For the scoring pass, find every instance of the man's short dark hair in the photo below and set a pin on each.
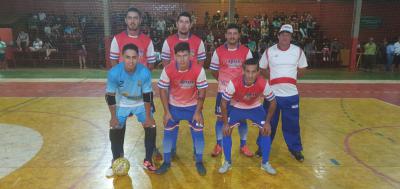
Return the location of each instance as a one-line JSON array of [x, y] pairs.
[[251, 61], [233, 26], [130, 46], [185, 14], [182, 46], [134, 9]]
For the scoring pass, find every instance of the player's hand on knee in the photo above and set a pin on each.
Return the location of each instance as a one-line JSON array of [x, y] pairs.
[[227, 130], [167, 117], [198, 118], [114, 123], [149, 122], [266, 130]]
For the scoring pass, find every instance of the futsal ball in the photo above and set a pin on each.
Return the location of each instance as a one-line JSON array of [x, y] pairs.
[[121, 166]]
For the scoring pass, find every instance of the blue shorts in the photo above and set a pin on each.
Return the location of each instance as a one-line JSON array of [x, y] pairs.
[[124, 112], [218, 105], [256, 115], [182, 113]]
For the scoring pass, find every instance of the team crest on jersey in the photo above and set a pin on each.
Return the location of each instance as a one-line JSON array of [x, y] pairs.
[[125, 94], [186, 84], [233, 63], [249, 96]]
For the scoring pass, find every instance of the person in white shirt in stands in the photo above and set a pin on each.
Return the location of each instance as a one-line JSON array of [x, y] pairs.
[[396, 58], [22, 41], [37, 45], [284, 61]]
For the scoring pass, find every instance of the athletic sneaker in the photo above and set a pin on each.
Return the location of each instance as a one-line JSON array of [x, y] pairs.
[[246, 151], [297, 155], [163, 169], [217, 150], [225, 167], [201, 169], [149, 166], [109, 173], [268, 168]]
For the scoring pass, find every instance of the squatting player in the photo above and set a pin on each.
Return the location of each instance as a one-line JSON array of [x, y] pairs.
[[129, 91], [245, 93], [187, 83]]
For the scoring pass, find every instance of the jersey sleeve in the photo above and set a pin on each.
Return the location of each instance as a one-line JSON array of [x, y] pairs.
[[201, 81], [146, 87], [151, 56], [214, 62], [165, 52], [268, 93], [201, 54], [302, 63], [264, 60], [249, 55], [112, 82], [229, 91], [163, 83], [114, 50]]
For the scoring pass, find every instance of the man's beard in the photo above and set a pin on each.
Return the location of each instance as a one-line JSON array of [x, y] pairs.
[[183, 33], [232, 43], [133, 28]]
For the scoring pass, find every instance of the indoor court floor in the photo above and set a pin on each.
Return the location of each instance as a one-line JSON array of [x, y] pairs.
[[55, 135]]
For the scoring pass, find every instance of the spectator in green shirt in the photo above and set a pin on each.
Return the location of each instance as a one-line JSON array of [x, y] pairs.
[[370, 51]]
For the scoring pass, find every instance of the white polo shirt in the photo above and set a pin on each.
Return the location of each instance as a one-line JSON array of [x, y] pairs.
[[282, 66]]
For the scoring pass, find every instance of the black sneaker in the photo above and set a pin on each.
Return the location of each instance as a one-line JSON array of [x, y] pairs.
[[258, 153], [201, 169], [163, 169], [297, 155]]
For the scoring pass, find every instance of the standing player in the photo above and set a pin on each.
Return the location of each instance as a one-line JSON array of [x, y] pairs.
[[129, 91], [133, 35], [197, 49], [186, 82], [146, 54], [244, 93], [284, 61], [226, 64]]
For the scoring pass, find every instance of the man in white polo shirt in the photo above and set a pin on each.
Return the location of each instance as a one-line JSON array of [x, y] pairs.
[[285, 62], [396, 59]]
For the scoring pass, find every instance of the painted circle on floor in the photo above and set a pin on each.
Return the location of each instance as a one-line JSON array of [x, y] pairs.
[[19, 145]]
